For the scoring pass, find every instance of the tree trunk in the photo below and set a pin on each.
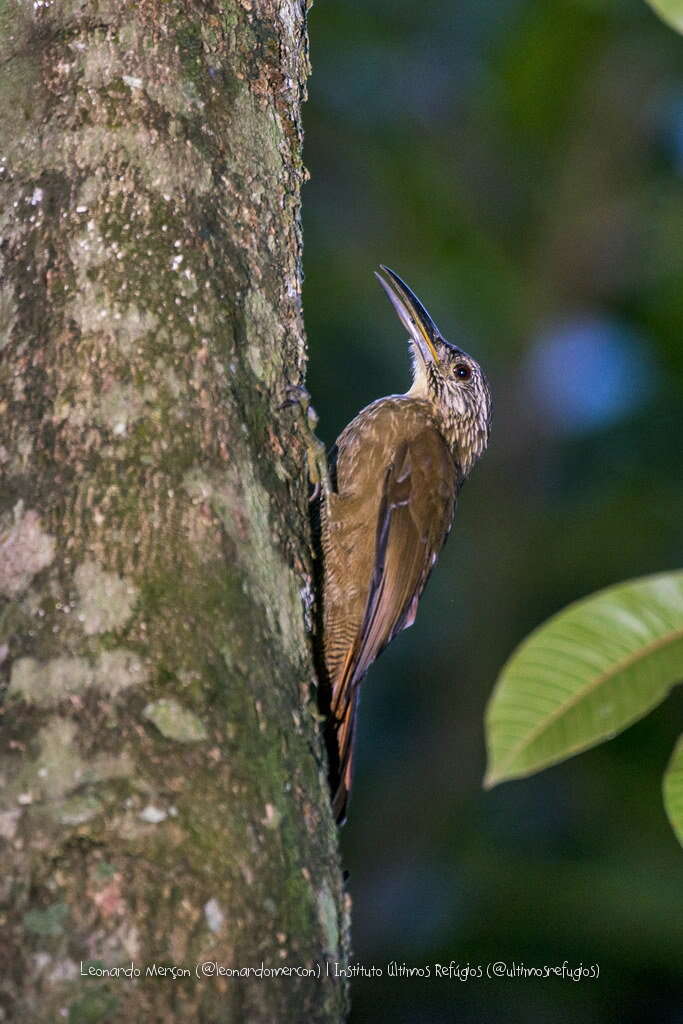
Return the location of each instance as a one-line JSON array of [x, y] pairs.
[[164, 800]]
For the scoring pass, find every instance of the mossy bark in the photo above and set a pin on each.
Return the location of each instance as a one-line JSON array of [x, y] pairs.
[[164, 799]]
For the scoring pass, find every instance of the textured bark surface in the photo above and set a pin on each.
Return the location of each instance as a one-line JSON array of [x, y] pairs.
[[163, 793]]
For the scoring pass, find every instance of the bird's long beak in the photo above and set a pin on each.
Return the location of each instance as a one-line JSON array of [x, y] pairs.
[[411, 312]]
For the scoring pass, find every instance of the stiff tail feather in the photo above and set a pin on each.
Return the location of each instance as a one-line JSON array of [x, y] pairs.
[[345, 729]]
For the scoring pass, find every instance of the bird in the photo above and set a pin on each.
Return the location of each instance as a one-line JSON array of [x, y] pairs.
[[395, 473]]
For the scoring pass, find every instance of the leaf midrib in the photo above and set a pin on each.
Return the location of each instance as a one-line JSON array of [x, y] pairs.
[[604, 677]]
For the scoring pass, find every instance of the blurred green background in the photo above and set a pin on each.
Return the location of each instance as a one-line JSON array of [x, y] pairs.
[[520, 164]]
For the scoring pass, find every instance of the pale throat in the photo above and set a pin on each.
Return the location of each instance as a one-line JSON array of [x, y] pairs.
[[420, 387], [464, 434]]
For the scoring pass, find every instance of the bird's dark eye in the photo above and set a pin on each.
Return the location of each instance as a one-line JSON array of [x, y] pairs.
[[463, 372]]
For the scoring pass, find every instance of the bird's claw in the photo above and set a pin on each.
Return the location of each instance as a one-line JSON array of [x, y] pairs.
[[316, 456]]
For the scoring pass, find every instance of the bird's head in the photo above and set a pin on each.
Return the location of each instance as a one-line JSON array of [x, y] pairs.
[[444, 375]]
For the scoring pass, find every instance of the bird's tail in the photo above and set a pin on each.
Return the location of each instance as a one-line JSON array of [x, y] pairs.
[[345, 736]]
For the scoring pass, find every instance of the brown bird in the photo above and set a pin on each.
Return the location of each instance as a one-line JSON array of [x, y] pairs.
[[396, 472]]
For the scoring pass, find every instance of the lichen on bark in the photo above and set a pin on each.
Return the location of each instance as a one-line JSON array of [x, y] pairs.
[[164, 796]]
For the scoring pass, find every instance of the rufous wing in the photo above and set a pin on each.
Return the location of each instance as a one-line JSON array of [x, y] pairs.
[[414, 517]]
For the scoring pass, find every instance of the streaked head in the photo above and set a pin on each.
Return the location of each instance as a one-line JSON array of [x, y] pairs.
[[446, 376]]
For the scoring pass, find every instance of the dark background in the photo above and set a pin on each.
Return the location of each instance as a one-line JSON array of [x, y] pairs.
[[520, 164]]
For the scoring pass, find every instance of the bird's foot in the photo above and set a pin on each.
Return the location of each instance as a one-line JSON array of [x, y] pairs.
[[316, 456]]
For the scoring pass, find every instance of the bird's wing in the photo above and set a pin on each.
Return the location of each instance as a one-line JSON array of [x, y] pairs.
[[414, 517]]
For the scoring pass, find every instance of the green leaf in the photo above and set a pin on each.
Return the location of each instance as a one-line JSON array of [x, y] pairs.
[[585, 675], [670, 11], [672, 788]]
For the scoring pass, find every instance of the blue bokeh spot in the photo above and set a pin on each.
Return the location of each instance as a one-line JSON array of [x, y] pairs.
[[590, 372]]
